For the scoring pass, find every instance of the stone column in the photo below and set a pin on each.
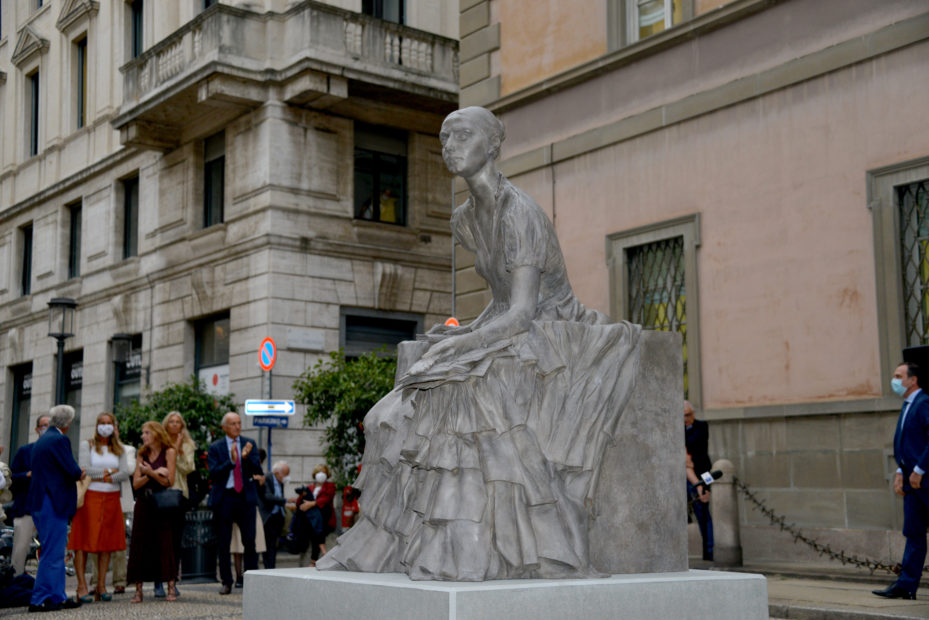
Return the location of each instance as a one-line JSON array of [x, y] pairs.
[[724, 506]]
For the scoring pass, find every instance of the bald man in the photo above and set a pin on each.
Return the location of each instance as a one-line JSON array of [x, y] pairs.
[[233, 461]]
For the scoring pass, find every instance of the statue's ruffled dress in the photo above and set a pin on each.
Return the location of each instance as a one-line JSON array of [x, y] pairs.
[[486, 467]]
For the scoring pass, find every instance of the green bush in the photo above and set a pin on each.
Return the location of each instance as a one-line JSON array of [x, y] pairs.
[[202, 411], [338, 393]]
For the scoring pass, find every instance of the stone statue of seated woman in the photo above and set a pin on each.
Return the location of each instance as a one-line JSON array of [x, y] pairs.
[[483, 461]]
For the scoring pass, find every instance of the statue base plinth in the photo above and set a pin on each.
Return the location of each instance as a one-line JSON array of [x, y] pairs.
[[287, 593]]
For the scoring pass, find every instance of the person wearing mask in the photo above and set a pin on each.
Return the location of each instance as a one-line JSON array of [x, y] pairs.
[[151, 548], [118, 563], [271, 504], [233, 461], [52, 501], [23, 527], [98, 526], [186, 449], [911, 452], [320, 496]]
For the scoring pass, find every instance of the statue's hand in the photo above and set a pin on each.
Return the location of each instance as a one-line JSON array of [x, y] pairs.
[[443, 351]]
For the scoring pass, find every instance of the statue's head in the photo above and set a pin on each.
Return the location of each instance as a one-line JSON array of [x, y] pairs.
[[467, 122]]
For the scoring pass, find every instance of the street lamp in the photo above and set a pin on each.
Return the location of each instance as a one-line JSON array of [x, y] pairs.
[[61, 312]]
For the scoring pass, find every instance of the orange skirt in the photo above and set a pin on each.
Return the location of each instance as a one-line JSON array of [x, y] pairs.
[[98, 526]]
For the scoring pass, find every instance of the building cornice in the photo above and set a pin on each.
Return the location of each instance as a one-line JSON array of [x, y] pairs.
[[28, 45], [811, 66], [698, 26], [74, 12]]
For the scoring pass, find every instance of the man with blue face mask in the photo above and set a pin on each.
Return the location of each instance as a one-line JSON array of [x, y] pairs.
[[911, 451]]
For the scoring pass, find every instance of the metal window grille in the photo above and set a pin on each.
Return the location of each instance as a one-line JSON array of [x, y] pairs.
[[913, 203], [657, 296]]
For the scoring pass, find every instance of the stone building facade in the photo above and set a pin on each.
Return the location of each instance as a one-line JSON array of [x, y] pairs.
[[201, 175], [755, 175]]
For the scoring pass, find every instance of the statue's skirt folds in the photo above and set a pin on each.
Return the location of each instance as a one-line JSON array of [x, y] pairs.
[[486, 467]]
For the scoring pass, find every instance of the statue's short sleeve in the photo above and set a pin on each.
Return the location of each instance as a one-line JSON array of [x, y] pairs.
[[460, 224], [525, 235]]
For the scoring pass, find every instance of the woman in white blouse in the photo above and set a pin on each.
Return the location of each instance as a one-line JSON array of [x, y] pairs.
[[98, 526]]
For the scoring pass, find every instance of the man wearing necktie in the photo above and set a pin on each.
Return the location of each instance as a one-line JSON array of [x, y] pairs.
[[233, 461], [911, 451]]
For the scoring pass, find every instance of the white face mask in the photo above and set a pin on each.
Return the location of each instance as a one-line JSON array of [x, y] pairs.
[[105, 430], [320, 478], [285, 480]]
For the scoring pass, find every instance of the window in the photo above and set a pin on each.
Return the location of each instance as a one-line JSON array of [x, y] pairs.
[[648, 17], [214, 177], [898, 197], [211, 355], [380, 175], [131, 217], [208, 3], [32, 86], [25, 279], [74, 240], [653, 282], [127, 381], [74, 380], [363, 330], [389, 10], [22, 397], [135, 28], [912, 200], [80, 70]]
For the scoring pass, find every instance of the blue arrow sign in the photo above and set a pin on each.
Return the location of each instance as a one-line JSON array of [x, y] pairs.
[[269, 407], [271, 421]]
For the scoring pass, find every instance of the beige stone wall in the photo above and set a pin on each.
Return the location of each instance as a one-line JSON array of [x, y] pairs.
[[288, 256], [540, 39]]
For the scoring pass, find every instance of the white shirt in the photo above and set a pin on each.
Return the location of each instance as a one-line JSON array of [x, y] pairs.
[[107, 460], [230, 482]]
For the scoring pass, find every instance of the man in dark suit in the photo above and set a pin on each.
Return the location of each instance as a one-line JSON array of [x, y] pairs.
[[52, 501], [697, 440], [232, 461], [23, 527], [911, 451], [271, 502]]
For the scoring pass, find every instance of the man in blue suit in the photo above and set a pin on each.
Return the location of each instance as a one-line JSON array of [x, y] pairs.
[[911, 451], [23, 526], [233, 461], [52, 501]]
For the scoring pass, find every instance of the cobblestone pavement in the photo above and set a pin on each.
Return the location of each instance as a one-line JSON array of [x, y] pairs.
[[197, 601]]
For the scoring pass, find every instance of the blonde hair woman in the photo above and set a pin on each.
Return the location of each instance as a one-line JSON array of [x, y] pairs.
[[98, 525], [181, 441], [151, 550]]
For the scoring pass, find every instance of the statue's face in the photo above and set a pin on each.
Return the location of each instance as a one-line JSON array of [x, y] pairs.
[[464, 147]]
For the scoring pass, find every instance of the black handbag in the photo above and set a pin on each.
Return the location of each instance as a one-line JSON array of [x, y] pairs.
[[169, 500]]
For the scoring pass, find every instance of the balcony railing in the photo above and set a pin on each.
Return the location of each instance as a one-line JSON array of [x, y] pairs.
[[246, 43]]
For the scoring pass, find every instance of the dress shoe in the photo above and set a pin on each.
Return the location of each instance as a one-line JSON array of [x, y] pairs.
[[70, 603], [895, 591], [44, 606], [239, 583], [226, 589]]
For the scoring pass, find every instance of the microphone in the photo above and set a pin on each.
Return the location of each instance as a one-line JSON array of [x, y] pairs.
[[708, 477]]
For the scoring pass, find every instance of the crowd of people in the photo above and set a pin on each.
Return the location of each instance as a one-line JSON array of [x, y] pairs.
[[84, 505]]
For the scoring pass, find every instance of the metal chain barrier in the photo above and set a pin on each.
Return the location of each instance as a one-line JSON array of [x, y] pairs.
[[826, 550]]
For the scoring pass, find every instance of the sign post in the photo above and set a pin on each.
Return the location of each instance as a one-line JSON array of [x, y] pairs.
[[267, 355]]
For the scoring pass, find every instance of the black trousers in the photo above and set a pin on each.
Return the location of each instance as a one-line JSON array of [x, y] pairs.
[[233, 508], [273, 525]]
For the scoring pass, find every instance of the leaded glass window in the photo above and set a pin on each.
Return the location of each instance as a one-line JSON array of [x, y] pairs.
[[657, 293], [913, 204]]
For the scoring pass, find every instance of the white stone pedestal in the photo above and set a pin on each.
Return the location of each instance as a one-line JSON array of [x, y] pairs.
[[295, 592]]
